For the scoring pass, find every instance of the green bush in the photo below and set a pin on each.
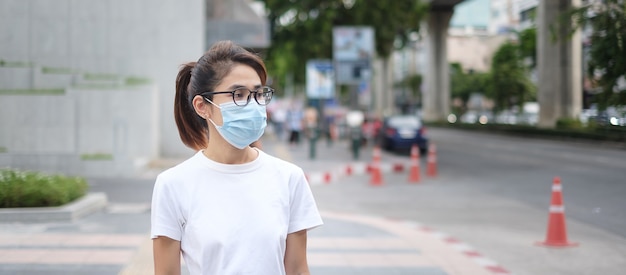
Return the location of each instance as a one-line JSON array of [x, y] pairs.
[[33, 189], [569, 123]]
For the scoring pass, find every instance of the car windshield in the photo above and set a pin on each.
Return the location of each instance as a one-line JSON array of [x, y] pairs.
[[404, 122]]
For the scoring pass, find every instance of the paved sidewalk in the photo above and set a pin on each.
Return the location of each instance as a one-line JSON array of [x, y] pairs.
[[349, 243], [116, 241]]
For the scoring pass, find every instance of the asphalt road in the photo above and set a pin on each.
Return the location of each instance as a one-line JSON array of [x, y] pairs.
[[493, 192], [593, 176]]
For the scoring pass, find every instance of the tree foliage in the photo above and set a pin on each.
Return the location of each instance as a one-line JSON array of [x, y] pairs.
[[412, 83], [509, 78], [302, 30], [607, 52], [528, 45], [463, 84]]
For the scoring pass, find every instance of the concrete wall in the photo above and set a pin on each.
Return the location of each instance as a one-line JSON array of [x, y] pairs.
[[16, 77], [55, 132], [58, 133], [126, 37]]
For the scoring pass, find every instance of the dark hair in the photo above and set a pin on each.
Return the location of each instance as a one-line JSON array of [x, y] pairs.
[[204, 75]]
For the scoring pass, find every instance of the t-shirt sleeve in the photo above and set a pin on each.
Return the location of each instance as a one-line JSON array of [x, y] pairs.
[[303, 209], [166, 217]]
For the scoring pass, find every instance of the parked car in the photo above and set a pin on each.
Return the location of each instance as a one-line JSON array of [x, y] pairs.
[[400, 132]]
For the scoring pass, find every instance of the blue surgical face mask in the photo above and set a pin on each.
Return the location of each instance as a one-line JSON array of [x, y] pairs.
[[241, 125]]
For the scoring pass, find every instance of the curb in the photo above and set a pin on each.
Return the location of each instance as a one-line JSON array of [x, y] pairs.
[[72, 211], [471, 253], [350, 169], [450, 254], [463, 248]]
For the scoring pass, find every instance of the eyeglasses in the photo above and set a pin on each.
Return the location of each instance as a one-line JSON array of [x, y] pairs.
[[241, 96]]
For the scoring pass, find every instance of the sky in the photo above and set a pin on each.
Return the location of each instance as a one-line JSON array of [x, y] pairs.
[[475, 13]]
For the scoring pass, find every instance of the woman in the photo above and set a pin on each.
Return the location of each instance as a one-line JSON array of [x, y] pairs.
[[230, 208]]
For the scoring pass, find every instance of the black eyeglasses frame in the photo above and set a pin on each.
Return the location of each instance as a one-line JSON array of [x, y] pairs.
[[270, 91]]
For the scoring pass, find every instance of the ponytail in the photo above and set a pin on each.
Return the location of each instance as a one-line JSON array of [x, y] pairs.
[[191, 127]]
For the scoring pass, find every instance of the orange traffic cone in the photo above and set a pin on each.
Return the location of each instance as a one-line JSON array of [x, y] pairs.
[[557, 233], [431, 169], [376, 178], [327, 178], [414, 172]]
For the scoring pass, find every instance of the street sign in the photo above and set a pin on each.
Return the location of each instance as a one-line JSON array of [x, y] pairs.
[[353, 43], [320, 79], [353, 52]]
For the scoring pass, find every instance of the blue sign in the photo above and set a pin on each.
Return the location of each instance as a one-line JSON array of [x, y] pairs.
[[320, 79]]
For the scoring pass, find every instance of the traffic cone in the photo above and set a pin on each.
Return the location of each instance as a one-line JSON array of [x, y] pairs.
[[414, 172], [376, 176], [431, 161], [327, 178], [557, 232]]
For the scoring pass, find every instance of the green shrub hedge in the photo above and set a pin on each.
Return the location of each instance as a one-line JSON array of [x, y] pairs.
[[34, 189]]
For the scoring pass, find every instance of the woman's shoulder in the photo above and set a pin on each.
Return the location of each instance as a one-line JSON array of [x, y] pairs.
[[279, 163], [179, 171]]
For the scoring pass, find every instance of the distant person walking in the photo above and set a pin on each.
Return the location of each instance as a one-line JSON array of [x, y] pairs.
[[295, 119], [279, 116], [230, 208]]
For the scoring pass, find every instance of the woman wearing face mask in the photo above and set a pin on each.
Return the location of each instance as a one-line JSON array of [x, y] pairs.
[[230, 208]]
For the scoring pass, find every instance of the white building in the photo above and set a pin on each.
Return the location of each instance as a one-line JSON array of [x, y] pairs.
[[87, 87]]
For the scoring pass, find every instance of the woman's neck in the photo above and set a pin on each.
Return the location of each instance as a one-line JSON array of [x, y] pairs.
[[227, 154]]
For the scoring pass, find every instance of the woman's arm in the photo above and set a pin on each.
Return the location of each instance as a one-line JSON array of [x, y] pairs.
[[295, 254], [166, 256]]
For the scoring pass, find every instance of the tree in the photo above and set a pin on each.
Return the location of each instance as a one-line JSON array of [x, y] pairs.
[[464, 84], [411, 85], [302, 30], [527, 39], [528, 46], [607, 52], [509, 78]]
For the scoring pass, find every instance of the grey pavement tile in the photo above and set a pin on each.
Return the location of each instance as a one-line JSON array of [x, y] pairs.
[[40, 269], [377, 270], [339, 228], [106, 223], [364, 251]]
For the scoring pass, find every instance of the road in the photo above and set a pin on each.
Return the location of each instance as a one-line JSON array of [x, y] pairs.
[[493, 192]]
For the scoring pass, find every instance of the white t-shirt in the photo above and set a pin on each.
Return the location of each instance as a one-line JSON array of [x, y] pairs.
[[233, 219]]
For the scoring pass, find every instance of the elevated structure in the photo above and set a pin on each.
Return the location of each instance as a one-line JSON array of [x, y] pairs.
[[559, 64], [436, 97]]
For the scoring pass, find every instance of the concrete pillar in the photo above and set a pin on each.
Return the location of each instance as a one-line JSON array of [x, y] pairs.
[[382, 96], [436, 97], [559, 65], [377, 86]]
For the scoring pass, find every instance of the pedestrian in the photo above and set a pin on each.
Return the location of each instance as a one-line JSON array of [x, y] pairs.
[[230, 208], [295, 119], [279, 116]]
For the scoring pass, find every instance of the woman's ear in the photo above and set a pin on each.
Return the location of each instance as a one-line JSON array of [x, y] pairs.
[[200, 106]]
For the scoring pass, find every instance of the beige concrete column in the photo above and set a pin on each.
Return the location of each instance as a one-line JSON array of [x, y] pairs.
[[436, 97], [377, 86], [559, 65]]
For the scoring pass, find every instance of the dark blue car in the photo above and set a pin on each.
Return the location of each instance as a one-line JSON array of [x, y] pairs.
[[400, 132]]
